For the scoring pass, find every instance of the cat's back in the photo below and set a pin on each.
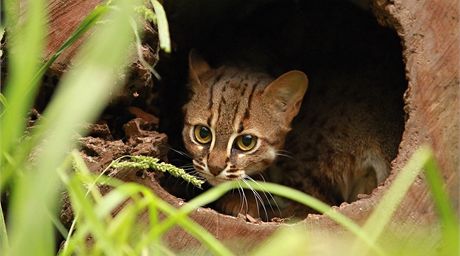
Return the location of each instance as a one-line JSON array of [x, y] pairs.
[[343, 139]]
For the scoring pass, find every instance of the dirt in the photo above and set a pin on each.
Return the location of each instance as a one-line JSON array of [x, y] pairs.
[[100, 148]]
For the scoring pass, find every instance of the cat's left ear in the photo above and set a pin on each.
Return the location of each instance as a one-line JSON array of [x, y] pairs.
[[287, 91], [197, 66]]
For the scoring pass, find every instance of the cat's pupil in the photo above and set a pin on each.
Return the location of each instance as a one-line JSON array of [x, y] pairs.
[[246, 140], [204, 132]]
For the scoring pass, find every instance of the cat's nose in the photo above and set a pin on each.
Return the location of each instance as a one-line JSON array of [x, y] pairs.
[[215, 170]]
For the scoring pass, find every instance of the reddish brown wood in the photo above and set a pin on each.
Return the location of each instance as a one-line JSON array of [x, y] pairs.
[[64, 18]]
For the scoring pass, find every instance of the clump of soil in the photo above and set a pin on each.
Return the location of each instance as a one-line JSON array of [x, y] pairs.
[[101, 147]]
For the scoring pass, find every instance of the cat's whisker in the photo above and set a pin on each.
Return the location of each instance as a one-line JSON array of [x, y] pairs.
[[244, 203], [242, 197], [257, 204], [186, 165], [179, 152], [272, 198], [245, 199], [197, 164], [284, 155], [190, 170], [264, 193], [194, 173], [263, 179], [187, 186], [258, 198], [284, 151]]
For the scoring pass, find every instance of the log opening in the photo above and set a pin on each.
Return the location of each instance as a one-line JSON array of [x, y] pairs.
[[337, 43]]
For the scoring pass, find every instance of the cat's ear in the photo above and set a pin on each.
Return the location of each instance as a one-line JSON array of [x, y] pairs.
[[286, 92], [197, 66]]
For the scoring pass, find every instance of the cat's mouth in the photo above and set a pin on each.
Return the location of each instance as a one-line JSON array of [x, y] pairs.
[[215, 180]]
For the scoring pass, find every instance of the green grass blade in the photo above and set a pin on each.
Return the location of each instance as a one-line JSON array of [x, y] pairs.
[[292, 194], [215, 246], [2, 33], [382, 214], [4, 245], [79, 99], [25, 46], [199, 201], [120, 229], [23, 152], [201, 234], [319, 206], [11, 14], [449, 219], [83, 206], [58, 224], [110, 202], [163, 28], [87, 23], [102, 209], [290, 240], [3, 104]]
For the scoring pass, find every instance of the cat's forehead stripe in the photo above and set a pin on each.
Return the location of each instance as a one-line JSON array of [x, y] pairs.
[[247, 88], [237, 124], [210, 93], [235, 99], [215, 80], [246, 112]]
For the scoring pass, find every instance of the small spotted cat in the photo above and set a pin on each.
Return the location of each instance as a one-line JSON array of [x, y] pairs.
[[236, 125]]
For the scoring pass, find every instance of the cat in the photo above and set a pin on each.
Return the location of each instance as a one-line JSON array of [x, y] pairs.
[[236, 124]]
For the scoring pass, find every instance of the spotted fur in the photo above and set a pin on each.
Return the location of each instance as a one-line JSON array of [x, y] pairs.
[[337, 158]]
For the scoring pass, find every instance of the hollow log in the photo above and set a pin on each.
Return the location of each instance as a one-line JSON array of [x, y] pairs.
[[429, 33]]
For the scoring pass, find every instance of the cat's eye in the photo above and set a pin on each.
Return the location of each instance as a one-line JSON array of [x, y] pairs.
[[202, 134], [246, 142]]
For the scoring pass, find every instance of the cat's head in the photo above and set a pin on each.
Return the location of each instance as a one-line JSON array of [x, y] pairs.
[[237, 120]]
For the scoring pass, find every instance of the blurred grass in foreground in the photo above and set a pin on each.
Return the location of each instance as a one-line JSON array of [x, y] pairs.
[[34, 183], [380, 232]]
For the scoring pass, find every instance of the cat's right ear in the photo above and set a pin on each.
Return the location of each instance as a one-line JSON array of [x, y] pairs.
[[197, 66], [286, 93]]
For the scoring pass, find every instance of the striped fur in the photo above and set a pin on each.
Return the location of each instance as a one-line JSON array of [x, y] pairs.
[[233, 102]]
